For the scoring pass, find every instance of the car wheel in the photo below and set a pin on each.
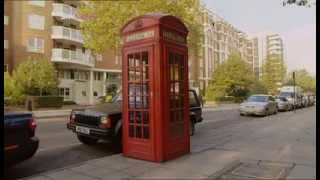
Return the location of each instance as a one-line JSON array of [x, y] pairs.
[[87, 140], [191, 128]]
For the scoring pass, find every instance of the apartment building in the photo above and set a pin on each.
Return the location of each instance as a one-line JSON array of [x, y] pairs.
[[268, 45], [256, 62], [220, 40], [50, 30]]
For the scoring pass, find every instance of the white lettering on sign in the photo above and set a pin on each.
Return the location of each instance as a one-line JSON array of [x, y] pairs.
[[139, 36], [173, 37]]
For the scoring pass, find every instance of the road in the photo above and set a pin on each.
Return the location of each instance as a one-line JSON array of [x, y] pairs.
[[223, 129]]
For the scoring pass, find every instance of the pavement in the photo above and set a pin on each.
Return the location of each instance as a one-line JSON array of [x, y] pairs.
[[281, 146], [192, 166]]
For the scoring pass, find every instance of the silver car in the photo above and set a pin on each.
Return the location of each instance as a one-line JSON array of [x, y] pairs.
[[283, 104], [259, 105]]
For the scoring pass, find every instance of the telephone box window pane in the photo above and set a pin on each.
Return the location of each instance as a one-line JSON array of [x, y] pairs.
[[145, 117], [136, 76], [131, 102], [130, 60], [145, 58], [145, 89], [138, 117], [138, 88], [131, 116], [131, 88], [146, 132], [131, 130], [145, 102], [145, 73], [137, 59], [138, 132]]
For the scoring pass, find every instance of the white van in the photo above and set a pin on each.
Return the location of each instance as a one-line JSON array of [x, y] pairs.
[[293, 94]]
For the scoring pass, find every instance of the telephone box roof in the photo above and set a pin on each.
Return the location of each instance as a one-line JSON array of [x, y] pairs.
[[152, 19]]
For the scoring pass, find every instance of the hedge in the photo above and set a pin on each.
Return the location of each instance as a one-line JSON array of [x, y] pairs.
[[44, 101]]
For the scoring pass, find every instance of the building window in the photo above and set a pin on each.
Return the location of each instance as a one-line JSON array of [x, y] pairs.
[[95, 93], [6, 20], [40, 3], [99, 57], [35, 45], [84, 93], [36, 21], [97, 76], [65, 92], [6, 44], [71, 74]]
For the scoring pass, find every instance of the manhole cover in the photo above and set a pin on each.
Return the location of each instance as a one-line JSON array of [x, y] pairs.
[[259, 170]]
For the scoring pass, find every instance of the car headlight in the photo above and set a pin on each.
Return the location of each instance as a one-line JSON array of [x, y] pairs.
[[105, 122]]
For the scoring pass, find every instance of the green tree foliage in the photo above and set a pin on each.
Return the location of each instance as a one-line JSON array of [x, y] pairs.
[[304, 3], [8, 85], [303, 79], [273, 73], [36, 77], [234, 78], [12, 92], [258, 88], [104, 19]]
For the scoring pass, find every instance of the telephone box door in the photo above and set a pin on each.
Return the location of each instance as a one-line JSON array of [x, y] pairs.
[[178, 121], [138, 125]]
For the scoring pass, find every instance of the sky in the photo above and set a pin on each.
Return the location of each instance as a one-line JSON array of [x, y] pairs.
[[296, 25]]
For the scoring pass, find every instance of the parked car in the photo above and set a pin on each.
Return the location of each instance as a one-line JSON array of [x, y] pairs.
[[283, 104], [19, 137], [305, 101], [104, 121], [312, 100], [259, 105]]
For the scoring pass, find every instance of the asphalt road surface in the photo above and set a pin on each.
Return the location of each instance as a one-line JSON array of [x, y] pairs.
[[223, 129]]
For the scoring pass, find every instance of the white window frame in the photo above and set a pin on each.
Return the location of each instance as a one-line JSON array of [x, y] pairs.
[[37, 48], [6, 20], [36, 21], [6, 44], [40, 3], [99, 57]]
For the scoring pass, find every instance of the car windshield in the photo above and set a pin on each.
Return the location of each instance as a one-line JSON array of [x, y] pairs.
[[286, 94], [281, 99], [258, 99]]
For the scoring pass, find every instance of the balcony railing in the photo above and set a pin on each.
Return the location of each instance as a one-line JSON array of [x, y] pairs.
[[65, 11], [60, 32], [69, 56]]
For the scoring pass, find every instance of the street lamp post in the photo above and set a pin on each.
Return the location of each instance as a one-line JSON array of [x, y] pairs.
[[294, 90]]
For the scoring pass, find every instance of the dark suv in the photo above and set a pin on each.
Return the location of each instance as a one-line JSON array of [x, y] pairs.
[[103, 121]]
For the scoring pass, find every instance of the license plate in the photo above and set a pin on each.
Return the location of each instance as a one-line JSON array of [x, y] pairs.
[[83, 130]]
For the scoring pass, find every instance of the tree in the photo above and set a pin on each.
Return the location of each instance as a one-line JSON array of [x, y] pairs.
[[303, 79], [305, 3], [8, 85], [258, 88], [273, 73], [36, 77], [234, 78], [104, 19]]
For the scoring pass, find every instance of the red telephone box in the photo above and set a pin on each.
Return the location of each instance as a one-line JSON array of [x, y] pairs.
[[155, 88]]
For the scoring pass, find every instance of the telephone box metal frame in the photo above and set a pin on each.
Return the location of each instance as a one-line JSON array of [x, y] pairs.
[[155, 88]]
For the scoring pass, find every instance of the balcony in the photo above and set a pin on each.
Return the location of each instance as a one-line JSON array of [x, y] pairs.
[[65, 11], [64, 33], [74, 57]]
